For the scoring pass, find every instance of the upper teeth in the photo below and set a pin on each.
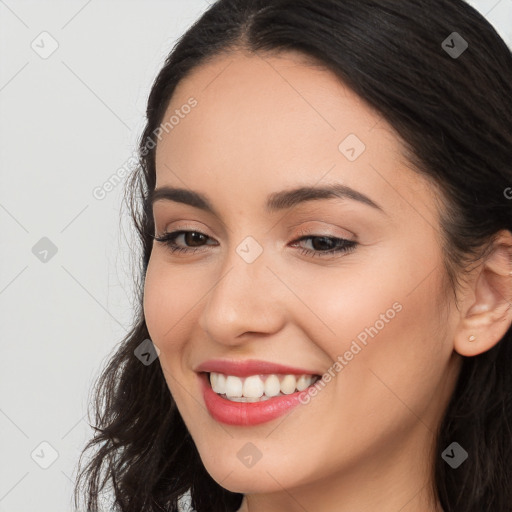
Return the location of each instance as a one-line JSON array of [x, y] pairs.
[[256, 386]]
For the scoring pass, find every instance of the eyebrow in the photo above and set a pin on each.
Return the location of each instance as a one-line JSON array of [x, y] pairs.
[[276, 201]]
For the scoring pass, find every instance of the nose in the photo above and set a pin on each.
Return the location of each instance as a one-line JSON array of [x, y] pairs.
[[244, 299]]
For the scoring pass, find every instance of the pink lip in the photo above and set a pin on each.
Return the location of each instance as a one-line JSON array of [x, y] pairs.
[[246, 413], [249, 367]]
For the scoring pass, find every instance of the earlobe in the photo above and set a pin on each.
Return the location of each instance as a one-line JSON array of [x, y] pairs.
[[487, 313]]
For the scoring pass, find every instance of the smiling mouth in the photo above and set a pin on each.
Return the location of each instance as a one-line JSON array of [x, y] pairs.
[[258, 388]]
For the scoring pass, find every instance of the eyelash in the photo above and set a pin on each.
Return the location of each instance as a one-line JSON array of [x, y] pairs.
[[346, 246]]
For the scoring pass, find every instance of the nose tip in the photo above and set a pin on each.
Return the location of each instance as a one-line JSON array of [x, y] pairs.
[[241, 302]]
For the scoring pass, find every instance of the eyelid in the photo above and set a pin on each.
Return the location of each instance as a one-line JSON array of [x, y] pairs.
[[172, 216], [314, 231], [311, 230], [183, 227]]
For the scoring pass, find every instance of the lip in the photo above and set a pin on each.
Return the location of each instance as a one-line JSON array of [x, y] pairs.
[[249, 367], [246, 413]]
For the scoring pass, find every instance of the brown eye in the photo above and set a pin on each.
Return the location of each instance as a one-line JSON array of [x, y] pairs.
[[327, 245], [192, 239]]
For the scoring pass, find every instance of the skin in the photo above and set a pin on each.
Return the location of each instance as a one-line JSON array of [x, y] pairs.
[[269, 123]]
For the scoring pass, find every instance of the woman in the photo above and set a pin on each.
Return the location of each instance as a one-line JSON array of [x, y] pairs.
[[324, 208]]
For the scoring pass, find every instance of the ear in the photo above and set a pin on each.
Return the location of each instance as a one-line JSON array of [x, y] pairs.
[[486, 314]]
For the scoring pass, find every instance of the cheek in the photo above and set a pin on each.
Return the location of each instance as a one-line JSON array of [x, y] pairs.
[[168, 300], [168, 309], [339, 306], [384, 329]]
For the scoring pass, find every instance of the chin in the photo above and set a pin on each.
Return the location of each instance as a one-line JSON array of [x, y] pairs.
[[263, 477], [250, 482]]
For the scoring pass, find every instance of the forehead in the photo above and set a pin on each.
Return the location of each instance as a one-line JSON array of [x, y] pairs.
[[262, 120]]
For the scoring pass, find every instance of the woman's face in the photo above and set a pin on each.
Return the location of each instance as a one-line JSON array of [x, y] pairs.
[[258, 284]]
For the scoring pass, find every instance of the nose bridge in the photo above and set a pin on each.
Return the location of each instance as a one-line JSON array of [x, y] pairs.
[[241, 300]]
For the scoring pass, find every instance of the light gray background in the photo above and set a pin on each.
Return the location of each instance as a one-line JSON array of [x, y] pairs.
[[67, 123]]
